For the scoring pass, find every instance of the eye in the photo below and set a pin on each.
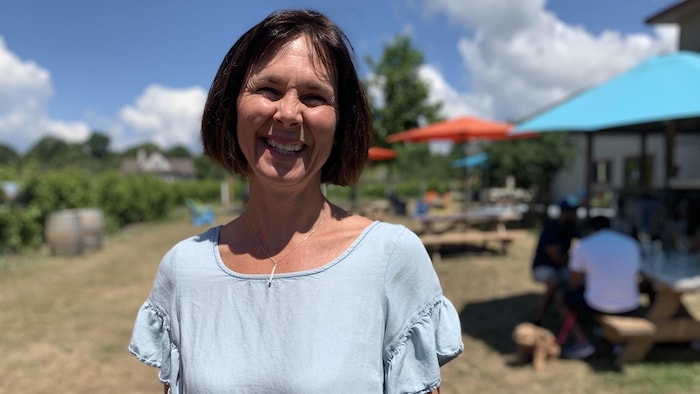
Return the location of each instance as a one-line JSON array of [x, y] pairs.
[[313, 100], [269, 93]]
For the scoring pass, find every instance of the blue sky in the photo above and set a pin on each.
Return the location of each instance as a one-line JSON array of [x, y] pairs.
[[139, 70]]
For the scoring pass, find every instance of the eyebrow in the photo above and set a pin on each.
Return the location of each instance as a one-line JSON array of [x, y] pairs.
[[314, 86]]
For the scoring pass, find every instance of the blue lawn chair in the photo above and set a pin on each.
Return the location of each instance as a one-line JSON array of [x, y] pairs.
[[201, 215]]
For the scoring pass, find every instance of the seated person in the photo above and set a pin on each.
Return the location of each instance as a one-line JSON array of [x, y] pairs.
[[609, 261], [549, 265]]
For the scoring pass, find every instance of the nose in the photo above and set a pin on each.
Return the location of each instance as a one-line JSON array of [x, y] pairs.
[[288, 111]]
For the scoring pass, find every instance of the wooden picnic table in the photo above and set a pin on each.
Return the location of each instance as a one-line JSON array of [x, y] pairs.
[[492, 217], [459, 229], [672, 275]]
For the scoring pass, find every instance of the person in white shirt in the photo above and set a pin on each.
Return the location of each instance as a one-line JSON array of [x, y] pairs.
[[609, 263]]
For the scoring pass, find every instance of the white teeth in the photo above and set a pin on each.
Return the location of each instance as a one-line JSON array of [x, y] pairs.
[[285, 148]]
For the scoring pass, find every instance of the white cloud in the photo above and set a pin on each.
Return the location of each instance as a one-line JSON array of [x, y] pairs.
[[68, 131], [521, 58], [25, 90], [162, 115], [454, 103], [165, 116]]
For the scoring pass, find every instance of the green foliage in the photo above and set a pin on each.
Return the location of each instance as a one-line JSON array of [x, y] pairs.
[[122, 199], [399, 97], [94, 156], [207, 169], [399, 100], [147, 147], [8, 156], [532, 161], [178, 151], [52, 152], [203, 190], [132, 199], [20, 229], [61, 189], [56, 175], [8, 173], [97, 146]]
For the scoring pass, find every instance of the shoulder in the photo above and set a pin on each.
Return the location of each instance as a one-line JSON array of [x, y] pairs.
[[406, 257], [189, 249], [178, 259], [394, 234]]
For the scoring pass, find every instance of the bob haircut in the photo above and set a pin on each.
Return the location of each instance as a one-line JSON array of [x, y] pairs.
[[354, 129]]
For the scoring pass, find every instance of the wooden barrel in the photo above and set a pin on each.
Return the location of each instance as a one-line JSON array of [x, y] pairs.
[[63, 234], [91, 228]]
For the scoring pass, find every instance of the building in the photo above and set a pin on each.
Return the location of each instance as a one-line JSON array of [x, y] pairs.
[[617, 168], [686, 15], [157, 164]]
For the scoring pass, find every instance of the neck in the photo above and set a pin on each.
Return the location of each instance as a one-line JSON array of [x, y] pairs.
[[277, 219], [293, 205]]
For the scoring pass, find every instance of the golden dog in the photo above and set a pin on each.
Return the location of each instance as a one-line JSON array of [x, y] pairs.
[[536, 343]]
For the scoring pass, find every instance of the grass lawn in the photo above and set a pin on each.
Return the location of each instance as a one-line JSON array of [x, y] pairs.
[[66, 323]]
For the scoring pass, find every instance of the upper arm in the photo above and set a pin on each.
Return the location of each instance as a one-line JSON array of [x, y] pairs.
[[554, 252], [576, 280]]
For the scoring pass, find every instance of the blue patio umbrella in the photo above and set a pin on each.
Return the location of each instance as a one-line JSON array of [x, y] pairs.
[[477, 160], [663, 87], [654, 95]]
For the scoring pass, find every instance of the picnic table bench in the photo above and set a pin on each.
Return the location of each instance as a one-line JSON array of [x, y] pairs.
[[667, 319], [435, 243], [636, 333], [483, 217]]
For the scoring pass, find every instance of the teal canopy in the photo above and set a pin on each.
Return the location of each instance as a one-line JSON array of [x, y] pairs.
[[663, 87], [478, 160]]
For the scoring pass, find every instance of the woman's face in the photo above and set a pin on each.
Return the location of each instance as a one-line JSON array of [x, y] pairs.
[[287, 115]]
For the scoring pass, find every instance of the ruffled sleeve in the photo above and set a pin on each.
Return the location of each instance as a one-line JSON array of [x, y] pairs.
[[423, 328], [433, 339], [151, 344], [152, 337]]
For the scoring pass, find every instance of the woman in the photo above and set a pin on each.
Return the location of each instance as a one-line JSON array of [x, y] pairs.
[[296, 295]]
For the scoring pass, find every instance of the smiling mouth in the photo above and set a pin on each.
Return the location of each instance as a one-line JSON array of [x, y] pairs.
[[285, 149]]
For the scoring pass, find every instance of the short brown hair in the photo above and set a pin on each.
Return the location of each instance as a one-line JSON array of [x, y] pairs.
[[354, 129]]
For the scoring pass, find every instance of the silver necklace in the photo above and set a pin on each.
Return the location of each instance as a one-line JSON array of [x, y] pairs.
[[269, 256]]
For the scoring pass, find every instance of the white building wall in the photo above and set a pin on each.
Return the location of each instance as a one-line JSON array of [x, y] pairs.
[[688, 156], [618, 148]]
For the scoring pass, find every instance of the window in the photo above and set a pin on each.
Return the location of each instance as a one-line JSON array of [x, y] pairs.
[[602, 172], [637, 175]]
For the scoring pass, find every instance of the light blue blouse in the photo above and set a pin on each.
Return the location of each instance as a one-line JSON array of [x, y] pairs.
[[374, 320]]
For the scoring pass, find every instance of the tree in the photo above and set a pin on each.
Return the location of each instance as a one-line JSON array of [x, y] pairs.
[[8, 156], [54, 153], [147, 147], [97, 146], [399, 98], [532, 161], [399, 101], [178, 151], [207, 169]]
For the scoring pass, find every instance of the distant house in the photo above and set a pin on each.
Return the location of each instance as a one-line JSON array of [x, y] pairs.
[[157, 164]]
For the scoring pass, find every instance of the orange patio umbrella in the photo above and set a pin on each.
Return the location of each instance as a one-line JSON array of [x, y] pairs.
[[460, 129], [376, 153]]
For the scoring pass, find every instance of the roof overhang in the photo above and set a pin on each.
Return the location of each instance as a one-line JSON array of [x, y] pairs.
[[675, 13]]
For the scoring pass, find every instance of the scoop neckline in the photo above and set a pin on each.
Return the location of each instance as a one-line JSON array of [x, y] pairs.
[[286, 275]]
